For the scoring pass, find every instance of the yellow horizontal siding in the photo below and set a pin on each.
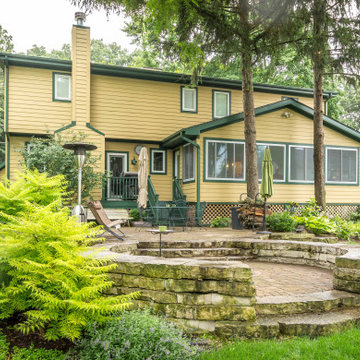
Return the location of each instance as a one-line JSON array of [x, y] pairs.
[[162, 183], [151, 109], [31, 108], [16, 145], [273, 127]]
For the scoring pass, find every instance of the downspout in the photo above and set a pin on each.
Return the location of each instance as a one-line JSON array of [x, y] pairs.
[[197, 172], [6, 117]]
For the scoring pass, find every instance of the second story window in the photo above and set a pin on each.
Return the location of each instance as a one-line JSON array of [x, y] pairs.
[[61, 87], [188, 99], [221, 104]]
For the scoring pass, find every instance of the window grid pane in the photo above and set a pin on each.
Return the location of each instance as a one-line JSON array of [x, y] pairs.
[[225, 160], [341, 165], [189, 99], [301, 164], [221, 104], [62, 87], [158, 161], [278, 158], [188, 159]]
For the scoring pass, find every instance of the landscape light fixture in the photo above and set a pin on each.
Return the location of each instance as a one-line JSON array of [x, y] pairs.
[[80, 157]]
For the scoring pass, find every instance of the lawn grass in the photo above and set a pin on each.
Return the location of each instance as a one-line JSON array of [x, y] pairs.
[[343, 346]]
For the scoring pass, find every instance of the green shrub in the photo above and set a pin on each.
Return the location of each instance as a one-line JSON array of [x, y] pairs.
[[220, 222], [56, 287], [356, 215], [135, 214], [4, 347], [311, 209], [48, 155], [281, 222], [136, 335], [36, 354], [320, 224]]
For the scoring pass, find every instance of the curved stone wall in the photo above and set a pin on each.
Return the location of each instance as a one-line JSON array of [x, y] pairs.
[[205, 295]]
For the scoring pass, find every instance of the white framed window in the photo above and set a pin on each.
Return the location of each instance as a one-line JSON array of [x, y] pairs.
[[221, 104], [225, 160], [158, 161], [301, 163], [341, 165], [188, 162], [188, 99], [61, 87], [278, 152]]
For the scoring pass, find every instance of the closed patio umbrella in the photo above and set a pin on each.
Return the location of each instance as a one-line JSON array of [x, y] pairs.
[[266, 189], [143, 179]]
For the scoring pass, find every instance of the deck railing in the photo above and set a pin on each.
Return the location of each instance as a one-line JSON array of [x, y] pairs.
[[122, 188], [177, 191]]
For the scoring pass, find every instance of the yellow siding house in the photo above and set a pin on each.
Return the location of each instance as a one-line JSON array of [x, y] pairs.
[[194, 136]]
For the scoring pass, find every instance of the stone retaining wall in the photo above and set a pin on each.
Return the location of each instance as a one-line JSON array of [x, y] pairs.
[[347, 271], [197, 292]]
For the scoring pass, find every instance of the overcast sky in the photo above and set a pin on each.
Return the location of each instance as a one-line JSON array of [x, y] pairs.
[[48, 23]]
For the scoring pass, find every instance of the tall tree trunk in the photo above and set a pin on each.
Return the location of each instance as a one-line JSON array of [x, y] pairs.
[[319, 27], [249, 121]]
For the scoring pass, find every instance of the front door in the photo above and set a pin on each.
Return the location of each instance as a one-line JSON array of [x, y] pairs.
[[116, 165]]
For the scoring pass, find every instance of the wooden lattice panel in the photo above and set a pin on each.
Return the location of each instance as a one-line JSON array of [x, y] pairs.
[[342, 211], [213, 211]]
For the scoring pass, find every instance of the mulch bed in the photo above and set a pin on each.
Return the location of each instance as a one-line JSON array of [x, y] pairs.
[[16, 338]]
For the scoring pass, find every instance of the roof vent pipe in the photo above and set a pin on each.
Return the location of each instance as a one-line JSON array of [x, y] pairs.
[[80, 18]]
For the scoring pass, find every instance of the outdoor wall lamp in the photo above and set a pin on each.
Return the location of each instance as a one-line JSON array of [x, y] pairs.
[[80, 157], [286, 114], [133, 161]]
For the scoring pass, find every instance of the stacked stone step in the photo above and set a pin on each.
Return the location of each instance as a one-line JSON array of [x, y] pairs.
[[193, 292], [302, 236]]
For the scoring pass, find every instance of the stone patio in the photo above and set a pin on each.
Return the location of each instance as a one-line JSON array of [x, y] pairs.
[[237, 283]]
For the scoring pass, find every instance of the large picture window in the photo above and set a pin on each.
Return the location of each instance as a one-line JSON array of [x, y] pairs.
[[278, 160], [225, 160], [341, 165], [62, 87], [188, 162], [301, 163], [221, 104]]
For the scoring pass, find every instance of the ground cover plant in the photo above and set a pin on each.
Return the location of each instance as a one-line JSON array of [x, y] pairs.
[[220, 222], [343, 346], [48, 283], [135, 335]]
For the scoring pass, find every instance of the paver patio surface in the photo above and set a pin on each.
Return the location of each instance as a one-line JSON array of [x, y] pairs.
[[284, 279]]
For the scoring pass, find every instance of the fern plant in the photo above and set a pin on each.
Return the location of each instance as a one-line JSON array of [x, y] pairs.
[[51, 282]]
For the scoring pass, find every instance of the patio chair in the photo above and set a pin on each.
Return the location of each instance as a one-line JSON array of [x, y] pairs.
[[178, 213], [102, 219]]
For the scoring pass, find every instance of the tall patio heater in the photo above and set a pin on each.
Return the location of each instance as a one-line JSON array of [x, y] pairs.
[[80, 157]]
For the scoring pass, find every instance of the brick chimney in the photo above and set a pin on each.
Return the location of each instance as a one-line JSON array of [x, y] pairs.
[[80, 71]]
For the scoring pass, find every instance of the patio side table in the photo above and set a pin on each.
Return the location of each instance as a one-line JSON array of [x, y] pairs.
[[157, 231]]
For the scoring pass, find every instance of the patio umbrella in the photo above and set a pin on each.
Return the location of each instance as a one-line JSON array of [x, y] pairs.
[[143, 178], [266, 189]]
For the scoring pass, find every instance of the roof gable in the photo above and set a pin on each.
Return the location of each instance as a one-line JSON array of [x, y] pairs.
[[194, 131]]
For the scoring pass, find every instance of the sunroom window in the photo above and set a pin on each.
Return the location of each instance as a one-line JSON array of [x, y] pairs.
[[341, 165], [158, 161], [225, 160], [221, 104], [62, 87], [188, 162], [301, 163], [188, 100], [278, 160]]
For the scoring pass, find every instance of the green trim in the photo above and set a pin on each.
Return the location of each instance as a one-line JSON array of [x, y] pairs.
[[213, 103], [188, 182], [164, 151], [8, 157], [262, 110], [181, 100], [357, 165], [197, 173], [7, 73], [81, 26], [204, 162], [29, 135], [111, 70], [94, 129], [126, 204], [53, 87], [117, 152], [141, 141], [73, 123]]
